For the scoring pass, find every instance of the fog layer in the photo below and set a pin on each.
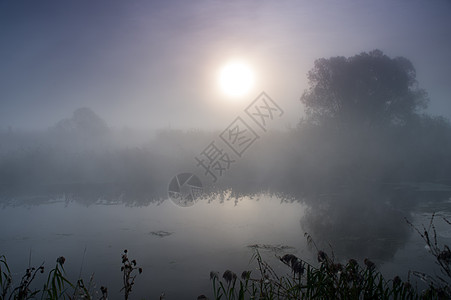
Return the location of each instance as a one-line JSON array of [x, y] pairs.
[[361, 160]]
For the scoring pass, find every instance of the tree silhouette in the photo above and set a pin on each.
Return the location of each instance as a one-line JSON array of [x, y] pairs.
[[83, 121], [368, 89]]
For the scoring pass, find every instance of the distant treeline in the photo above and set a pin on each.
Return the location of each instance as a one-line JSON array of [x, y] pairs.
[[303, 162]]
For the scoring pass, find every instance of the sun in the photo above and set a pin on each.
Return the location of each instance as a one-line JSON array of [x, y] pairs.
[[236, 79]]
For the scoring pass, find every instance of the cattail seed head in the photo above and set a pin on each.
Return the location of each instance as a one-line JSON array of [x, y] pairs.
[[246, 275], [369, 264], [353, 263], [60, 260], [298, 267], [322, 256], [229, 276], [213, 275], [396, 280]]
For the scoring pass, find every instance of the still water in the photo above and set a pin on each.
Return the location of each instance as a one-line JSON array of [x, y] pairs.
[[177, 247]]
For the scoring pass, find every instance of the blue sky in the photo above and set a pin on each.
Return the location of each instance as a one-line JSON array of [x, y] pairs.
[[154, 64]]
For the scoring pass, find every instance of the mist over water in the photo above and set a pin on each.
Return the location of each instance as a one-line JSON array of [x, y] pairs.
[[195, 133], [82, 184]]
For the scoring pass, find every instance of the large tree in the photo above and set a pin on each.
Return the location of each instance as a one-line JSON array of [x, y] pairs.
[[368, 89]]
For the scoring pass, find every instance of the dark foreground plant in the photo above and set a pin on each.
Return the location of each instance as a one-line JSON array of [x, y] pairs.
[[440, 285], [57, 285], [127, 270], [330, 280], [5, 277]]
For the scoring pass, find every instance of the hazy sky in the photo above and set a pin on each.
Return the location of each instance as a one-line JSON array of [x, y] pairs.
[[154, 64]]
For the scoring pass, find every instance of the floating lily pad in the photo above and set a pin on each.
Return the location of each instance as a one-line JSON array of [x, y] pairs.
[[269, 247], [160, 233]]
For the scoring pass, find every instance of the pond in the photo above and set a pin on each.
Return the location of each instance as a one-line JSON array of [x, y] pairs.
[[177, 247]]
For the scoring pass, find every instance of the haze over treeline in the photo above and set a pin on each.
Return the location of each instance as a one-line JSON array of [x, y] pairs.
[[366, 150]]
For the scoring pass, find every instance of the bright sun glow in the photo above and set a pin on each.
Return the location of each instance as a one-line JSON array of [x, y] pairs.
[[236, 79]]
